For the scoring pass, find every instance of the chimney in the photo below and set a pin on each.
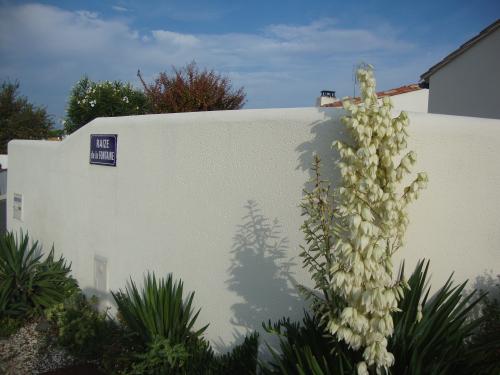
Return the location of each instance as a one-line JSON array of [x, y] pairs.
[[327, 97]]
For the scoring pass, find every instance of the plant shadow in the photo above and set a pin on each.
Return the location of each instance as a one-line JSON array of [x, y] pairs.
[[261, 275], [488, 283], [325, 132]]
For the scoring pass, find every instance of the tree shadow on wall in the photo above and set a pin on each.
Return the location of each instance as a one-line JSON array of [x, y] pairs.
[[488, 283], [324, 133], [260, 273]]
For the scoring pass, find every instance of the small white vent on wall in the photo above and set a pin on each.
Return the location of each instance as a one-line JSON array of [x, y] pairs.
[[100, 273]]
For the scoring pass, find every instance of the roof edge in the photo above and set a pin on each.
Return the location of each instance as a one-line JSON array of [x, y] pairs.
[[463, 48], [391, 92]]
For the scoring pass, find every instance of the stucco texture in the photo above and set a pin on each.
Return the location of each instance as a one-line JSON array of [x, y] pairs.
[[214, 198]]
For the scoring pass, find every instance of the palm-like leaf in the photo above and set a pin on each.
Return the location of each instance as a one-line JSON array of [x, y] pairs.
[[159, 310], [29, 284], [436, 344], [306, 349]]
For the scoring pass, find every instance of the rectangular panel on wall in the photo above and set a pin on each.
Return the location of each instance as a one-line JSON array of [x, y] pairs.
[[18, 206], [100, 273]]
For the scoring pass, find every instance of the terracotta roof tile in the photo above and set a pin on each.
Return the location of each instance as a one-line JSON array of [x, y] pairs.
[[381, 94]]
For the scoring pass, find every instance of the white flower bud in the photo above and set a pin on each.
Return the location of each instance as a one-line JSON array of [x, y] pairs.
[[362, 369]]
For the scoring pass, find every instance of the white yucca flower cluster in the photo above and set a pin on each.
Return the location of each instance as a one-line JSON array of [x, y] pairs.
[[371, 208]]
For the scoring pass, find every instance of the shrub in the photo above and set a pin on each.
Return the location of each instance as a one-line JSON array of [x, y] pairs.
[[89, 100], [307, 350], [162, 320], [161, 357], [19, 119], [191, 90], [28, 283], [241, 360], [431, 336], [9, 326], [159, 310], [485, 342], [80, 328]]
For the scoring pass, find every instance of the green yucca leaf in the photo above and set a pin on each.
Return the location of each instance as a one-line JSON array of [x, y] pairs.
[[437, 343], [159, 310], [29, 283]]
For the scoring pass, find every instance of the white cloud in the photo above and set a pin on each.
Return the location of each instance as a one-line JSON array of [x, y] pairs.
[[119, 8], [281, 65], [182, 40]]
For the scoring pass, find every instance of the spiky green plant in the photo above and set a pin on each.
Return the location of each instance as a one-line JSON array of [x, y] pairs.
[[306, 349], [485, 343], [29, 283], [159, 309], [431, 334]]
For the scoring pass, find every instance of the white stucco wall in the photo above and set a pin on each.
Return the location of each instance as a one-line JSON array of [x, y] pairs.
[[468, 85], [414, 101], [178, 201]]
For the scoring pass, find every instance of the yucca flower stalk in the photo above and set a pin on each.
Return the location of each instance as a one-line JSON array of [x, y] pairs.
[[353, 231], [370, 210]]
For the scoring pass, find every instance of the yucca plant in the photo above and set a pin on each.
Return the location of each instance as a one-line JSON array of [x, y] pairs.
[[159, 310], [431, 334], [485, 343], [241, 360], [307, 349], [29, 283]]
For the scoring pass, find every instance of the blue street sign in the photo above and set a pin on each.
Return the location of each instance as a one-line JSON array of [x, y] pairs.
[[103, 149]]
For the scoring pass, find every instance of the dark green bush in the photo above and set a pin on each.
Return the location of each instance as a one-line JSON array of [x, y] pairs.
[[28, 283], [159, 310], [161, 357], [485, 342], [436, 342], [80, 328], [20, 119], [89, 100], [241, 360], [9, 326], [162, 320], [307, 349]]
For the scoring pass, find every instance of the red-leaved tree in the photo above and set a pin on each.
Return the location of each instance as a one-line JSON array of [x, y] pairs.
[[190, 90]]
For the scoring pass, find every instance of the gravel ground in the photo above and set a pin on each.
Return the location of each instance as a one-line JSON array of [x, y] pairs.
[[29, 351]]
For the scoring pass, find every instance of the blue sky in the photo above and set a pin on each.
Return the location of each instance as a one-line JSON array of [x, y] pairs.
[[283, 53]]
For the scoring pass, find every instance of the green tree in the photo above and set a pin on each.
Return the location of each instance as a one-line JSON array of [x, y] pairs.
[[190, 90], [89, 100], [19, 119]]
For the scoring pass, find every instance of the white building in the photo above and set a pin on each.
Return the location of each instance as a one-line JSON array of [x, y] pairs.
[[466, 81]]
